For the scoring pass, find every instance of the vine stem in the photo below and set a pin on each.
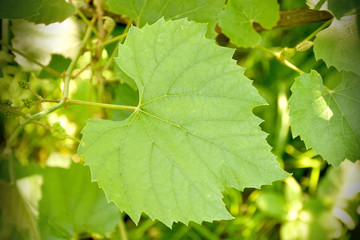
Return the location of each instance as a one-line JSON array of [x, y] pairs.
[[94, 104], [71, 67], [308, 38], [120, 38], [87, 22], [35, 117], [284, 61], [46, 68], [122, 229]]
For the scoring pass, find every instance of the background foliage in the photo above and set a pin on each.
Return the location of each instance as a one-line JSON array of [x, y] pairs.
[[57, 70]]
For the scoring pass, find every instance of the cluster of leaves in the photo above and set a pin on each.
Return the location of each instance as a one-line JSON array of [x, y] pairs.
[[182, 136]]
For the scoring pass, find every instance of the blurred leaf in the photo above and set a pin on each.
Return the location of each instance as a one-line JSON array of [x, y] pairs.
[[1, 73], [293, 195], [315, 222], [72, 204], [53, 11], [143, 11], [340, 7], [58, 63], [19, 8], [340, 187], [339, 44], [236, 21], [272, 204], [39, 41], [16, 211], [185, 143], [327, 120]]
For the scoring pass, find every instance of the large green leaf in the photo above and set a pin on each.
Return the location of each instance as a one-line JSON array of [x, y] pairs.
[[144, 11], [19, 8], [53, 11], [192, 135], [327, 120], [71, 204], [339, 45], [237, 18]]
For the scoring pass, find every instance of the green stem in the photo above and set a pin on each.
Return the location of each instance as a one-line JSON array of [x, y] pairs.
[[102, 105], [35, 117], [283, 120], [314, 179], [87, 22], [308, 38], [204, 231], [46, 68], [35, 94], [117, 38], [123, 35], [122, 230], [13, 110], [74, 61], [5, 34], [278, 57]]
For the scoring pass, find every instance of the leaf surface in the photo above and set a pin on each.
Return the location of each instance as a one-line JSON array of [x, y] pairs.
[[53, 11], [327, 120], [237, 18], [13, 9], [339, 45], [71, 204], [145, 11], [192, 135]]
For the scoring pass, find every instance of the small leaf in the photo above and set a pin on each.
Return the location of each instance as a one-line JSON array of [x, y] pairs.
[[339, 45], [237, 19], [13, 9], [53, 11], [192, 135], [143, 11], [327, 120]]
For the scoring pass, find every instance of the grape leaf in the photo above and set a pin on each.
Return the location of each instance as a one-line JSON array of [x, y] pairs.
[[53, 11], [339, 45], [192, 134], [19, 8], [327, 120], [144, 11], [72, 204], [237, 18]]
